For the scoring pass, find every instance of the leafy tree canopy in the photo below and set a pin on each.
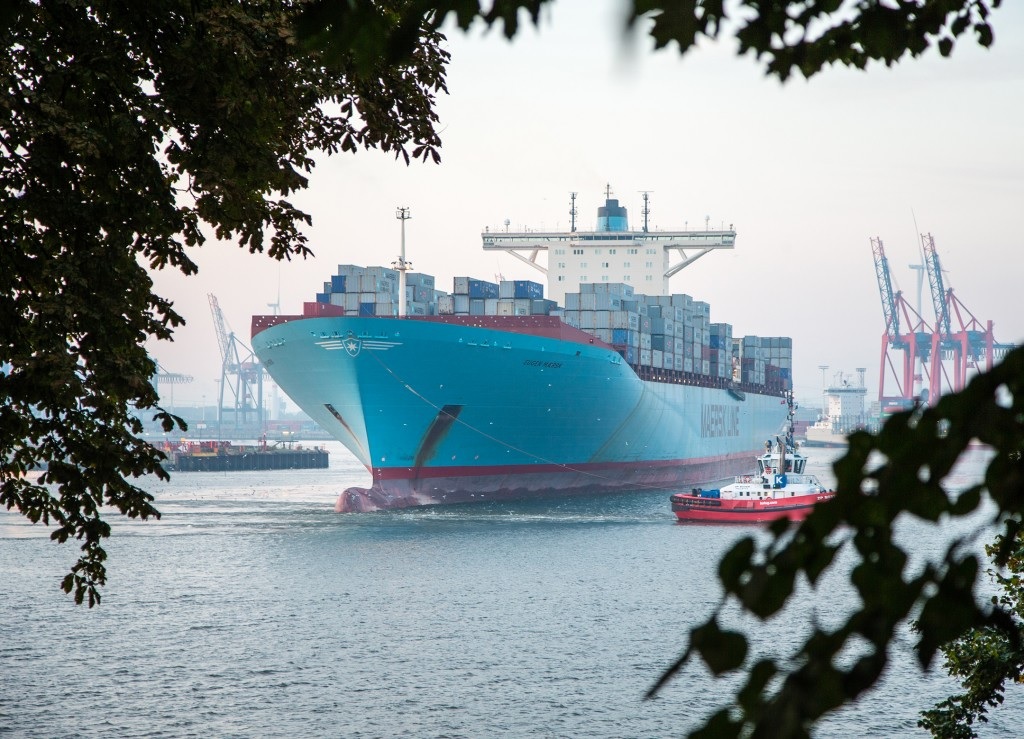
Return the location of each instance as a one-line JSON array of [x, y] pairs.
[[789, 36], [894, 474], [128, 130], [984, 659]]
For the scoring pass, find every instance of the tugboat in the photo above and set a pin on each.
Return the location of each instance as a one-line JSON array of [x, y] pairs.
[[779, 488]]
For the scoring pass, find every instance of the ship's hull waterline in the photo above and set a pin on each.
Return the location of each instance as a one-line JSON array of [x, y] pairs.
[[446, 412]]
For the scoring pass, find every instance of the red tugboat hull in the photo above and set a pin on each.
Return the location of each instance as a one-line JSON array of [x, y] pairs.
[[716, 510]]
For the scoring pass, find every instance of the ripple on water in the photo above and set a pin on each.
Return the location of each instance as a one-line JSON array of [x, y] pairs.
[[254, 610]]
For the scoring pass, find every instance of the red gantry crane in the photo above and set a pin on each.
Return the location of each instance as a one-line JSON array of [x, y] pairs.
[[904, 353], [961, 342]]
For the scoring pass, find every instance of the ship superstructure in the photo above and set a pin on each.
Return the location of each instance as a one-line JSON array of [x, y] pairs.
[[611, 253]]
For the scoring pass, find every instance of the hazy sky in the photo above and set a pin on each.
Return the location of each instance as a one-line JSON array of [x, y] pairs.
[[807, 172]]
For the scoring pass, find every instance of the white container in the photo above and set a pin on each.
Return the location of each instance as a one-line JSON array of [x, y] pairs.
[[624, 319]]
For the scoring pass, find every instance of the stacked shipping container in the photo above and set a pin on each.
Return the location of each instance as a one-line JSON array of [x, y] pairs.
[[658, 332], [373, 291]]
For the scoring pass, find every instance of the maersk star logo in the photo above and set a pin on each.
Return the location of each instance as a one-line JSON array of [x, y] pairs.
[[353, 345]]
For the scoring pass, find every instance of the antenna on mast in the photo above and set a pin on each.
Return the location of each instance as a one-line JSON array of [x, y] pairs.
[[401, 265], [647, 208], [572, 212]]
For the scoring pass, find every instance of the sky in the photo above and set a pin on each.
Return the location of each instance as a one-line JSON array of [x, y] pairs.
[[806, 171]]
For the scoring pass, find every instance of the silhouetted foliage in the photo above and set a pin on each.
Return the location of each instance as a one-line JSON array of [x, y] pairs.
[[128, 131], [882, 478], [789, 36], [985, 659]]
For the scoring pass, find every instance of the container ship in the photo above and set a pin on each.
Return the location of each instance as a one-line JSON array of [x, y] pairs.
[[842, 412], [495, 392]]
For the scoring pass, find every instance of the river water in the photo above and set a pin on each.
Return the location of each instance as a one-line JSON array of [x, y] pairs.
[[251, 609]]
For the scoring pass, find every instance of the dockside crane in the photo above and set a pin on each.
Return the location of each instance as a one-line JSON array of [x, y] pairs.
[[914, 344], [960, 339], [241, 376], [943, 345], [163, 377]]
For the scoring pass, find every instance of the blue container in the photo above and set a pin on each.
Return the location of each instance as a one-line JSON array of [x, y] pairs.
[[367, 309], [528, 289], [659, 342], [622, 336], [542, 307], [482, 289], [716, 342], [323, 297], [337, 283], [628, 353]]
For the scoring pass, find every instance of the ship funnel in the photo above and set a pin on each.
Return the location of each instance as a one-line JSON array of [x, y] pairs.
[[612, 217]]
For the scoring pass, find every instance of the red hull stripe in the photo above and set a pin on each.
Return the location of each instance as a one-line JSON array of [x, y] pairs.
[[727, 512], [422, 473]]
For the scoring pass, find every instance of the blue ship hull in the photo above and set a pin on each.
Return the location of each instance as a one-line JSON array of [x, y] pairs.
[[446, 412]]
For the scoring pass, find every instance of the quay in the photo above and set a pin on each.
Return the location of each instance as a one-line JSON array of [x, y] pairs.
[[223, 456]]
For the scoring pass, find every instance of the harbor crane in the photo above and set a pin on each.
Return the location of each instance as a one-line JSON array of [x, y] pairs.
[[163, 377], [960, 339], [913, 344], [241, 375]]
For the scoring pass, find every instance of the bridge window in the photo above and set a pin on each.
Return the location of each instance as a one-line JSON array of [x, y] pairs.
[[611, 251], [652, 251]]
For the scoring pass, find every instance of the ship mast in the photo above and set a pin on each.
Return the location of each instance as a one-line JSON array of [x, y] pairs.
[[401, 265]]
